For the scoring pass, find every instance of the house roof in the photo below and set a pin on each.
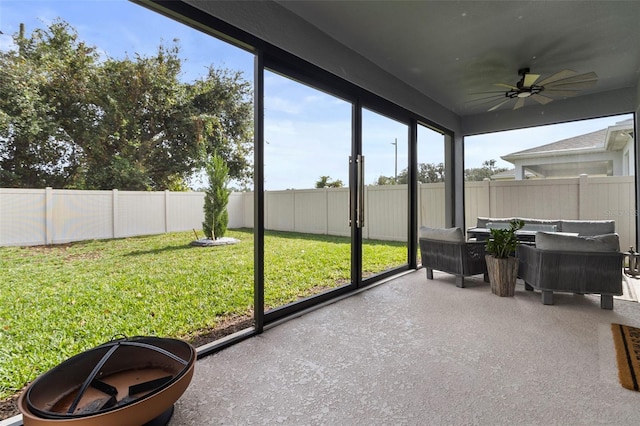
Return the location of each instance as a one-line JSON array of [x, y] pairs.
[[593, 141], [588, 142]]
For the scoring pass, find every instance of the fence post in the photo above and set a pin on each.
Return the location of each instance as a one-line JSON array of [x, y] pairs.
[[326, 209], [166, 210], [293, 208], [486, 183], [114, 213], [583, 196], [48, 215]]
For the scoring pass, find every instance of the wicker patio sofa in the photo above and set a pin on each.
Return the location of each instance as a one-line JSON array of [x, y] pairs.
[[580, 227], [445, 249], [573, 264]]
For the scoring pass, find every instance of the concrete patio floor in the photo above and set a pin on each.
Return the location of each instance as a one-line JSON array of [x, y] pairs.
[[416, 352]]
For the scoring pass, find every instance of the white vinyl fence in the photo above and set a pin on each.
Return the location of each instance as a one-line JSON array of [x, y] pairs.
[[584, 198], [53, 216]]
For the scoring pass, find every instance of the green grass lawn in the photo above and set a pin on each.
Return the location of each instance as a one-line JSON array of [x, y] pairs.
[[57, 301]]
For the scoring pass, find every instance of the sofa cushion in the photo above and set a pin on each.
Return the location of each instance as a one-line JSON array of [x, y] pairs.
[[560, 242], [482, 221], [442, 234], [589, 227], [544, 227], [530, 221], [498, 225]]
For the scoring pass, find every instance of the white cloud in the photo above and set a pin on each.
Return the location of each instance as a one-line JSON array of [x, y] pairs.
[[279, 104]]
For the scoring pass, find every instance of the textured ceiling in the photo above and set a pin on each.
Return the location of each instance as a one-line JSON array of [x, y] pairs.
[[453, 50]]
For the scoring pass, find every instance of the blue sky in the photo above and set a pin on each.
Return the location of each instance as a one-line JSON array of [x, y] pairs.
[[307, 131]]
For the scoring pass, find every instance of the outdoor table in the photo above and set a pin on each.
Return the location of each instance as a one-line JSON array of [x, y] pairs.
[[524, 236], [483, 234]]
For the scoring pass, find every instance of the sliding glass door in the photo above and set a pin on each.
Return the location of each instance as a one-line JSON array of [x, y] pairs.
[[306, 164], [385, 186]]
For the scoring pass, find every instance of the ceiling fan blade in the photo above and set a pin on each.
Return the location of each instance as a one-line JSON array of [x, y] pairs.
[[486, 93], [541, 99], [484, 98], [498, 105], [530, 79], [590, 76], [519, 103], [557, 76], [554, 92], [508, 86], [579, 85]]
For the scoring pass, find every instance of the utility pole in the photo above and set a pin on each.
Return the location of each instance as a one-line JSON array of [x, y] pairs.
[[395, 179]]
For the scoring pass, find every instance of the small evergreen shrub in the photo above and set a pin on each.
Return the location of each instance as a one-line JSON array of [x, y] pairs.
[[216, 217]]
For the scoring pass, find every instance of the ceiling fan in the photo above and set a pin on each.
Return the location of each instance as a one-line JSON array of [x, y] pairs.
[[565, 83]]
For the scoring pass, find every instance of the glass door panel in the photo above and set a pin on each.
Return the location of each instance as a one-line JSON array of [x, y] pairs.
[[306, 168], [386, 195], [431, 178]]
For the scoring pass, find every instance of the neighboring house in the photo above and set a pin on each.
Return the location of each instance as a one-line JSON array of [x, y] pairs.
[[606, 152], [510, 175]]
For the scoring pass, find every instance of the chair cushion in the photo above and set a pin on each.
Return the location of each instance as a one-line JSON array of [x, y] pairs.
[[589, 227], [560, 242], [442, 234]]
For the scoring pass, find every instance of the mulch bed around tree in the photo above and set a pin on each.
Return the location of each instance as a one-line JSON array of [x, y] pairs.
[[9, 406]]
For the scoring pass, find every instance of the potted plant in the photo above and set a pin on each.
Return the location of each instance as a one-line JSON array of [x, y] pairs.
[[502, 265]]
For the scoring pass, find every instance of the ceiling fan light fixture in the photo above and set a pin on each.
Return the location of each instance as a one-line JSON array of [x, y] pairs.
[[523, 92], [565, 83]]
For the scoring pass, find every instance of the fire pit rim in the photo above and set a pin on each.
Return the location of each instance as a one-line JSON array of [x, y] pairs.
[[139, 341]]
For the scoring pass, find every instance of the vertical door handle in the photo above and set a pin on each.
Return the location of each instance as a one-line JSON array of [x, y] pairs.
[[349, 192], [360, 206]]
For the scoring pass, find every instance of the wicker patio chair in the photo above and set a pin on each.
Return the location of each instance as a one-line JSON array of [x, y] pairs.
[[444, 249], [581, 265]]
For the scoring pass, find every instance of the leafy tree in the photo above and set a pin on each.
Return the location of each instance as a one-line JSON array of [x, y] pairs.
[[326, 182], [385, 180], [427, 173], [432, 173], [487, 170], [223, 113], [146, 135], [69, 120], [42, 88], [216, 199]]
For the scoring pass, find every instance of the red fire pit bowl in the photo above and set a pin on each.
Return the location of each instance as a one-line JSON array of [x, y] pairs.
[[125, 382]]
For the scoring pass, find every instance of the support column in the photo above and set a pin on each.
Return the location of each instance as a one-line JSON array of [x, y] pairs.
[[454, 180]]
